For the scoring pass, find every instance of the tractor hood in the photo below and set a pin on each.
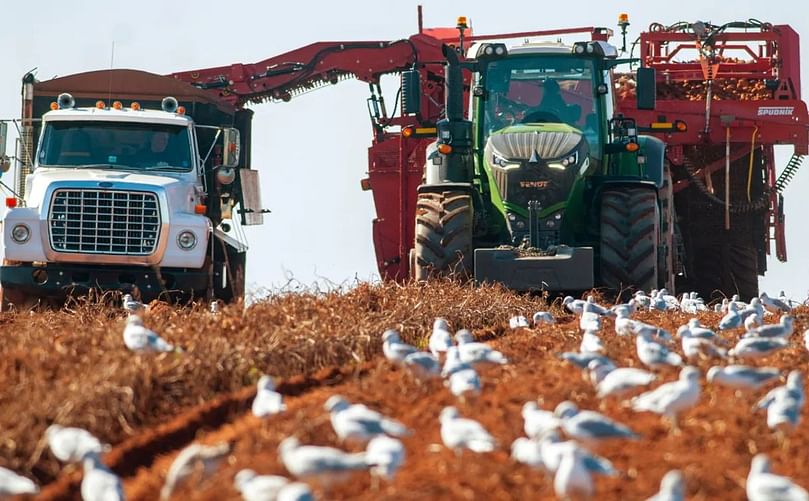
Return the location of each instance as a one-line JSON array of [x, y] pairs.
[[533, 142]]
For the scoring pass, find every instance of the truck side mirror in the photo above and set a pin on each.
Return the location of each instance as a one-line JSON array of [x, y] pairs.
[[232, 147], [411, 92], [646, 88]]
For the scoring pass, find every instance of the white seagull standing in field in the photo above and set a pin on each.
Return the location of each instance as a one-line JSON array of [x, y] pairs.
[[732, 318], [599, 369], [782, 329], [12, 484], [543, 317], [672, 487], [129, 304], [141, 339], [695, 346], [671, 398], [590, 342], [538, 422], [359, 423], [754, 347], [424, 365], [518, 322], [474, 353], [654, 355], [752, 322], [323, 464], [774, 305], [268, 401], [572, 478], [394, 348], [528, 452], [464, 382], [792, 389], [440, 339], [255, 487], [99, 482], [742, 376], [195, 457], [762, 485], [623, 380], [552, 449], [453, 363], [459, 433], [386, 454], [70, 445], [589, 426]]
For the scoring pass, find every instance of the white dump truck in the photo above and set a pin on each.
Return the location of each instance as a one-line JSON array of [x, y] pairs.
[[127, 192]]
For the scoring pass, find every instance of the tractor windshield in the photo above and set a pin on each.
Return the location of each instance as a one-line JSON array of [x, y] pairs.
[[542, 88], [115, 145]]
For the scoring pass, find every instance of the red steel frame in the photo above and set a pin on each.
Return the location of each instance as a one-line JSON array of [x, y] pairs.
[[771, 53]]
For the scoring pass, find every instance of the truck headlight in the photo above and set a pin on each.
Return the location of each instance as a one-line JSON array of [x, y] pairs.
[[20, 233], [187, 240]]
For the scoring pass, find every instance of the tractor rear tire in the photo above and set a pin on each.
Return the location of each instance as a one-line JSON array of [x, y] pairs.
[[444, 225], [630, 233]]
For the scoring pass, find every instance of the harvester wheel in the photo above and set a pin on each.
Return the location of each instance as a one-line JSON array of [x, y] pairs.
[[726, 269], [666, 260], [630, 232], [443, 235]]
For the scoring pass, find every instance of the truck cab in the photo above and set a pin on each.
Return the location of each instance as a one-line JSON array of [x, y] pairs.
[[118, 198]]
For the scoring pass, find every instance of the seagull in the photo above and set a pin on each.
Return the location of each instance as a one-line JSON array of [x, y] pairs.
[[129, 304], [582, 360], [752, 322], [694, 346], [138, 338], [477, 353], [441, 338], [215, 308], [12, 484], [654, 355], [359, 423], [386, 454], [732, 318], [518, 322], [742, 376], [623, 380], [774, 305], [642, 300], [590, 321], [99, 482], [754, 308], [543, 317], [268, 401], [424, 365], [671, 398], [572, 479], [459, 433], [528, 452], [626, 326], [573, 305], [591, 343], [70, 445], [325, 464], [782, 329], [792, 389], [464, 382], [783, 414], [552, 449], [762, 485], [672, 487], [296, 491], [753, 347], [453, 363], [630, 306], [589, 426], [394, 348], [255, 487], [696, 330], [599, 370], [538, 422], [193, 458]]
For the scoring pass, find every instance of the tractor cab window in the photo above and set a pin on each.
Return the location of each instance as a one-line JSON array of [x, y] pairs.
[[537, 89], [115, 145]]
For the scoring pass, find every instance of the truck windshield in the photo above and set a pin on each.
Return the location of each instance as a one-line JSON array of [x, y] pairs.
[[115, 145], [536, 89]]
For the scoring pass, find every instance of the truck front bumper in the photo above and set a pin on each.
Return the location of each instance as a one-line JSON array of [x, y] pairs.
[[59, 280], [568, 269]]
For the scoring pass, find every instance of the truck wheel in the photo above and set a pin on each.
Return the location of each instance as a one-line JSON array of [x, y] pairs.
[[16, 300], [667, 258], [630, 223], [726, 269], [234, 269], [443, 235]]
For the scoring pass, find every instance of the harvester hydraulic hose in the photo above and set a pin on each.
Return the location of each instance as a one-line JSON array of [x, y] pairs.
[[727, 178], [750, 168]]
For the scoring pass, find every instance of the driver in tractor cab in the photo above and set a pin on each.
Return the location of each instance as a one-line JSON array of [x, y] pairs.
[[552, 107]]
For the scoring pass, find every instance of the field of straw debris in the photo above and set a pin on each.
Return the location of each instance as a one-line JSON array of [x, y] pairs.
[[70, 367]]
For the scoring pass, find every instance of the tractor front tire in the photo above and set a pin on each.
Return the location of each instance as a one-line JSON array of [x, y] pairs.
[[630, 233], [444, 225]]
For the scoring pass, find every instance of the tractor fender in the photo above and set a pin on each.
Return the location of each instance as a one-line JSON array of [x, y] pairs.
[[654, 150], [435, 169]]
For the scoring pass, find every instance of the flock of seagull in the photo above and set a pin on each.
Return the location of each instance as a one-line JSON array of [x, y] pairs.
[[556, 442]]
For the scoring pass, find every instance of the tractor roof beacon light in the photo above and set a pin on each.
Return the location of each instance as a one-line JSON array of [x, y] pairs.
[[623, 23], [65, 100], [462, 27]]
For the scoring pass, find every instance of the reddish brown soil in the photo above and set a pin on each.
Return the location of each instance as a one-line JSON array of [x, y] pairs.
[[714, 448]]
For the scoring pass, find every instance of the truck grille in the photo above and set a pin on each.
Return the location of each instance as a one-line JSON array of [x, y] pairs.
[[104, 222]]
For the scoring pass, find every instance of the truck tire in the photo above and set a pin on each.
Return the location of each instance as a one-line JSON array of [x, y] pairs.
[[444, 224], [667, 258], [16, 300], [630, 233], [726, 269]]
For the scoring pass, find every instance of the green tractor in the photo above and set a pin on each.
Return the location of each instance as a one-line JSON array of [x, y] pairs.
[[544, 187]]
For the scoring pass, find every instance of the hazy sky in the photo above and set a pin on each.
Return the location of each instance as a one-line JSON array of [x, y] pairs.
[[312, 152]]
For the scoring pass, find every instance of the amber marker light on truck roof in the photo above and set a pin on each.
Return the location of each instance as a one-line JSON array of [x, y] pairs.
[[180, 110], [135, 106], [100, 105], [54, 106], [117, 105]]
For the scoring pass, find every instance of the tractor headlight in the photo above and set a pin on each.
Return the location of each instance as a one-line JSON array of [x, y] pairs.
[[503, 163], [186, 240], [20, 233], [565, 162]]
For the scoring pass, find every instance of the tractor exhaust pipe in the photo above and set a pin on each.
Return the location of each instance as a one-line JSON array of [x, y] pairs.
[[454, 85]]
